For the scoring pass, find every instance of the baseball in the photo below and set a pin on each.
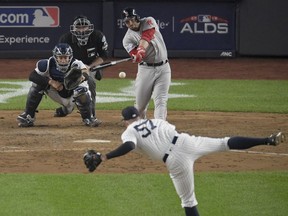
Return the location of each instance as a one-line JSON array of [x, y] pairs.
[[122, 74]]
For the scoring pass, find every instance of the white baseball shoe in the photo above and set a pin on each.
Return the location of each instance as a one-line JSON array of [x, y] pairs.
[[277, 138]]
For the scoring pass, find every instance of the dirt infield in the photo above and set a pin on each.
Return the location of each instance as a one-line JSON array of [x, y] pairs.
[[56, 145]]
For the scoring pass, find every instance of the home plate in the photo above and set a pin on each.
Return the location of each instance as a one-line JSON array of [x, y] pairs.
[[92, 141]]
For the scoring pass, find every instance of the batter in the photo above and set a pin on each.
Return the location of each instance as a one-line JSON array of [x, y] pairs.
[[144, 42], [160, 140]]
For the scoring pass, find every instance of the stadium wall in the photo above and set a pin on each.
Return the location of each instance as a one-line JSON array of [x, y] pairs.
[[207, 28]]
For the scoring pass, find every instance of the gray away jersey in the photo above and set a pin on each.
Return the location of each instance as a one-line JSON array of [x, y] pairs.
[[156, 50]]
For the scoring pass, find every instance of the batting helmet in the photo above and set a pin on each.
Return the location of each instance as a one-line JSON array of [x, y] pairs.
[[62, 50], [129, 13], [81, 29]]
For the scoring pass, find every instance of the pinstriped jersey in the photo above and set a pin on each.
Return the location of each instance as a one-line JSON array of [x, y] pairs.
[[151, 136], [156, 51]]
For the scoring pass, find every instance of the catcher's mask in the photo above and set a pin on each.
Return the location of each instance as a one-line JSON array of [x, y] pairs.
[[81, 29], [63, 55], [130, 13]]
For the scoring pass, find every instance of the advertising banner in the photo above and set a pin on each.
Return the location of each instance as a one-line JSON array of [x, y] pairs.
[[34, 28], [188, 26], [29, 27]]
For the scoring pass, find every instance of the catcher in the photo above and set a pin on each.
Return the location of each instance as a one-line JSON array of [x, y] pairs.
[[64, 79], [160, 140]]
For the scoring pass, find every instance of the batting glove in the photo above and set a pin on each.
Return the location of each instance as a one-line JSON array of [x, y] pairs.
[[138, 57]]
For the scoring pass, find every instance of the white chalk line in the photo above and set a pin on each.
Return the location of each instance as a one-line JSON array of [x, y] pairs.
[[261, 153], [13, 149], [9, 149], [92, 141], [124, 94], [40, 150]]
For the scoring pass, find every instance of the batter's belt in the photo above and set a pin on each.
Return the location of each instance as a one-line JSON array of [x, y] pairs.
[[154, 64], [174, 140]]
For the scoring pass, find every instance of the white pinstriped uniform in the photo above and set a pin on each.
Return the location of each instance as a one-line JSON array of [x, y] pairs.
[[150, 80], [153, 137]]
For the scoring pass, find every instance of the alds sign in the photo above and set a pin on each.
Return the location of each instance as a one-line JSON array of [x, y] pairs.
[[204, 24]]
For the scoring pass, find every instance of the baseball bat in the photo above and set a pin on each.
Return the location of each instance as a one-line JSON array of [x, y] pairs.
[[109, 64]]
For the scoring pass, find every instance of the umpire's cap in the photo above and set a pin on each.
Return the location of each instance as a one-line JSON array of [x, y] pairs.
[[130, 112]]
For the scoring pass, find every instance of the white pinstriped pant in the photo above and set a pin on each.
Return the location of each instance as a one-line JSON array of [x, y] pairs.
[[181, 160]]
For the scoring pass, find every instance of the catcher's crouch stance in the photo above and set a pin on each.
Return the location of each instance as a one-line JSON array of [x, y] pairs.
[[61, 78], [159, 140]]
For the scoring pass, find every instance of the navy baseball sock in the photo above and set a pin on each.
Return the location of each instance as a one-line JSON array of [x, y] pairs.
[[246, 142], [191, 211]]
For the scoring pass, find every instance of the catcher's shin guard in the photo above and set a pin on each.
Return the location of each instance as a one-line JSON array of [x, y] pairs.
[[83, 102], [34, 98]]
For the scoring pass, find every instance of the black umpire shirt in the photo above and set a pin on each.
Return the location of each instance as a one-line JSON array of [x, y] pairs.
[[96, 46]]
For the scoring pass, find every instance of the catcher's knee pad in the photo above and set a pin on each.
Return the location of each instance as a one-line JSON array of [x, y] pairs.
[[80, 90]]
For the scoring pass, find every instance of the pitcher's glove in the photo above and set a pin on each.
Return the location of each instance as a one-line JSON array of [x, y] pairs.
[[92, 160], [73, 78]]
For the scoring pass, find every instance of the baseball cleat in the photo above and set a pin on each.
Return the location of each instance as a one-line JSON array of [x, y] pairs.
[[276, 139], [96, 122], [93, 122], [25, 120]]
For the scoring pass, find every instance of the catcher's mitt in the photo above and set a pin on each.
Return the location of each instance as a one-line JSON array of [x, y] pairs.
[[73, 78], [92, 160]]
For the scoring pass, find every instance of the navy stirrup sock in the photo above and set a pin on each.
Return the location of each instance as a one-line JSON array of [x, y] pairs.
[[246, 142], [191, 211]]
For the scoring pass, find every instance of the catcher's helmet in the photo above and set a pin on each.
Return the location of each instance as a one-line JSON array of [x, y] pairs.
[[63, 55], [129, 13], [81, 29]]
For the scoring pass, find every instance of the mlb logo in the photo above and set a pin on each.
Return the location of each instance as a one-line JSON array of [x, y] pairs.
[[204, 18], [29, 16], [46, 17]]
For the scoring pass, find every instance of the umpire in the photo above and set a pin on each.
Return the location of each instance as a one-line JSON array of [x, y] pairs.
[[89, 46]]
